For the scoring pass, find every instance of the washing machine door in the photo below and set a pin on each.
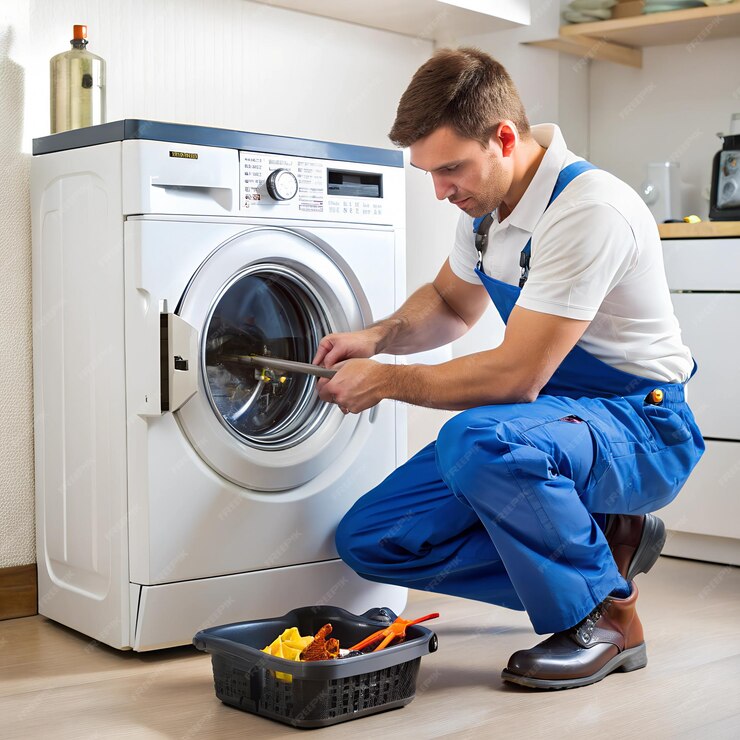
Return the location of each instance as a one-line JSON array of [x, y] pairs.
[[268, 291]]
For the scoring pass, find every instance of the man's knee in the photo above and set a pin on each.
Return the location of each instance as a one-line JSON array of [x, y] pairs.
[[467, 441], [363, 540], [345, 535]]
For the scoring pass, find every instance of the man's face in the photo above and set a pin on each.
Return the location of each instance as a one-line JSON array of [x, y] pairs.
[[474, 178]]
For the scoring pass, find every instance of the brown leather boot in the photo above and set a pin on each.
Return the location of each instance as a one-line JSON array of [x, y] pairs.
[[609, 639], [636, 542]]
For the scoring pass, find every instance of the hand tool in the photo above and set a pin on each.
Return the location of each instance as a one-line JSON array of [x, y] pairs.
[[389, 633], [275, 363]]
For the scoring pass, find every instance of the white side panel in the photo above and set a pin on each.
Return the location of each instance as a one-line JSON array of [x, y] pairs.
[[80, 425], [709, 503], [709, 326], [171, 614]]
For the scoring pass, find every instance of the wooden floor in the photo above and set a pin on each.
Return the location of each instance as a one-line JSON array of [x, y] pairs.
[[55, 683]]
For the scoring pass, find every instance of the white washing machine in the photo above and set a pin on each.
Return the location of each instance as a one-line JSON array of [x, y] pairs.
[[178, 488]]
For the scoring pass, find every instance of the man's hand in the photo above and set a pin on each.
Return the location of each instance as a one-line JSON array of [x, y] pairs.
[[335, 348], [358, 385]]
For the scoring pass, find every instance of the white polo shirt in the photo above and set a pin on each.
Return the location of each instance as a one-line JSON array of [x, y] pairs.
[[596, 255]]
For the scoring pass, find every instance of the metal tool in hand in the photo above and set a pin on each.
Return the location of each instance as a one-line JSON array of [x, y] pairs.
[[275, 363], [394, 630]]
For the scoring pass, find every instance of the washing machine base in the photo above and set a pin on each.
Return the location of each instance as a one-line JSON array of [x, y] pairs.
[[170, 614]]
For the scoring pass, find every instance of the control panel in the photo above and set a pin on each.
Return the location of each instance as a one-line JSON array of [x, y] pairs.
[[298, 187]]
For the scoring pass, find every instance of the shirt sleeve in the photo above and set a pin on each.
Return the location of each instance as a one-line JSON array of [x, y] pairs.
[[464, 257], [577, 260]]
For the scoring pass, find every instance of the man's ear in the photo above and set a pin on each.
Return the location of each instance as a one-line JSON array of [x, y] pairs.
[[505, 138]]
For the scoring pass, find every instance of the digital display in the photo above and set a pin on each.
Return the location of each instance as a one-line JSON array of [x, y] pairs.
[[355, 184]]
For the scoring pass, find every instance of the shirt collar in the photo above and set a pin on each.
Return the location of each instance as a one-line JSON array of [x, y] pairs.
[[533, 203]]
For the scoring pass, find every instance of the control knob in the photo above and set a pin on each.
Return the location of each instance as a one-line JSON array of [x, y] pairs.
[[282, 184]]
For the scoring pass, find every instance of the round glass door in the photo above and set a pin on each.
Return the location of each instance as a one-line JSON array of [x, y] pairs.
[[266, 310], [273, 292]]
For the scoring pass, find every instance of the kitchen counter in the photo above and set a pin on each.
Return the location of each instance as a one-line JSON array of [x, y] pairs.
[[702, 230]]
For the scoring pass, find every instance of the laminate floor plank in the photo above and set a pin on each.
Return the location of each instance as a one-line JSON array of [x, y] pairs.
[[58, 684]]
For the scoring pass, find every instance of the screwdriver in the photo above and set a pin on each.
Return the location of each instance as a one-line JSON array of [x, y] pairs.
[[275, 363]]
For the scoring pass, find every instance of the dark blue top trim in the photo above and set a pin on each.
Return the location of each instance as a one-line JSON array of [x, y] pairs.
[[205, 136]]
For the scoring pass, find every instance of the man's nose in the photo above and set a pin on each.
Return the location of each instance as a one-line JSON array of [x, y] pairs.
[[443, 188]]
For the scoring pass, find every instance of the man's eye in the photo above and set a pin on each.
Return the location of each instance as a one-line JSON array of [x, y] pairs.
[[451, 168]]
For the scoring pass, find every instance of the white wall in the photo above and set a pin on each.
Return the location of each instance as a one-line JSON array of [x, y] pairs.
[[233, 64], [670, 109], [227, 63], [16, 403]]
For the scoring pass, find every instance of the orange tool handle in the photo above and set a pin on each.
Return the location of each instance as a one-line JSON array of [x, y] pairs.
[[396, 629], [423, 619]]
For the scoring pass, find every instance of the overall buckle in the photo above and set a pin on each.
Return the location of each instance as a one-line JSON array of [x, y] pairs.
[[524, 264]]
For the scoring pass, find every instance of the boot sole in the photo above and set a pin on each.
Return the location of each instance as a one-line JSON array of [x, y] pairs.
[[628, 660], [651, 545]]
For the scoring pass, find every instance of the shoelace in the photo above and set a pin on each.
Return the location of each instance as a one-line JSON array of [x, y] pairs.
[[585, 628]]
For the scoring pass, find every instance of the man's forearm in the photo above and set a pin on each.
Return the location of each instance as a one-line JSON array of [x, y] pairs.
[[480, 379], [424, 322], [514, 372]]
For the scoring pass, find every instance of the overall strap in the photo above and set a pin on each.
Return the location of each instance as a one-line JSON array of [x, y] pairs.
[[482, 224], [481, 227], [566, 176]]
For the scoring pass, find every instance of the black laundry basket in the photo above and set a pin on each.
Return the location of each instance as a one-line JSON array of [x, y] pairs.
[[322, 692]]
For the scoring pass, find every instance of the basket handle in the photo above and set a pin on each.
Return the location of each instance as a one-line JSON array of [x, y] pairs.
[[380, 614]]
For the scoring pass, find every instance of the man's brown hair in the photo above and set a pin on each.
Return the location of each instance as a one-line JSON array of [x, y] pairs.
[[465, 89]]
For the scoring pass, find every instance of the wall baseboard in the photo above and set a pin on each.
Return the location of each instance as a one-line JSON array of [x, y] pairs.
[[18, 591], [722, 550]]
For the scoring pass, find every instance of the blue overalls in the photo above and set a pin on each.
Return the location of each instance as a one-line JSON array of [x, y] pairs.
[[505, 506]]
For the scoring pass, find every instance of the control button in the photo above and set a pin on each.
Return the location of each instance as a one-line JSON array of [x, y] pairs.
[[282, 184]]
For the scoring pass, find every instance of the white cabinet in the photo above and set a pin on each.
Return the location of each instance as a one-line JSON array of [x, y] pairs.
[[704, 279], [710, 326]]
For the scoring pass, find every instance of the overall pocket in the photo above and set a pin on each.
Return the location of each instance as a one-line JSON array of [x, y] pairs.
[[668, 427], [644, 455]]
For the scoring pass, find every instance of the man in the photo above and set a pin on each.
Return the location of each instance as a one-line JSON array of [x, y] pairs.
[[536, 496]]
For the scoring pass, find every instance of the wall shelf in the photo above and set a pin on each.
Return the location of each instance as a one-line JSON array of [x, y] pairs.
[[435, 20], [621, 40]]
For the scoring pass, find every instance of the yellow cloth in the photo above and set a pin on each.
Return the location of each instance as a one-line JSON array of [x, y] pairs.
[[289, 645]]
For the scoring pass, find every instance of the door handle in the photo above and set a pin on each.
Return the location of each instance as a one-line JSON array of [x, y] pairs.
[[182, 363]]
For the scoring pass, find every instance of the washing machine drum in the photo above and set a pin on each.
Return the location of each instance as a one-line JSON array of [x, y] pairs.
[[267, 311], [273, 292]]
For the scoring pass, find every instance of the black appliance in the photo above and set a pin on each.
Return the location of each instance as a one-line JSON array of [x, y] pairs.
[[724, 201]]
